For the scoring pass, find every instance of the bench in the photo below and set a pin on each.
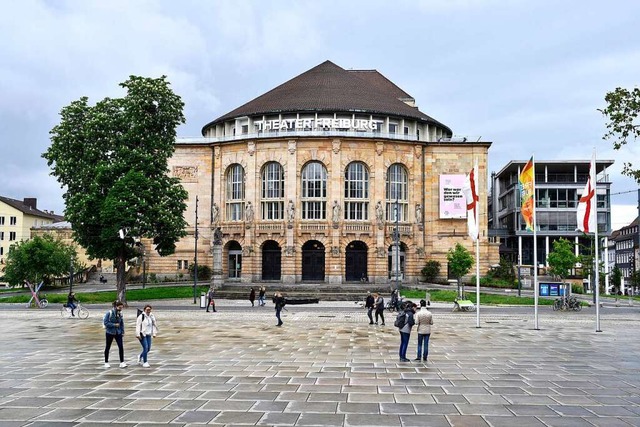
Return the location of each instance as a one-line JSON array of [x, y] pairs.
[[463, 305]]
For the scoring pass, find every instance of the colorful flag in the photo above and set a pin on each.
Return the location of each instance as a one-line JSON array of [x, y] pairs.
[[587, 205], [470, 190], [527, 198]]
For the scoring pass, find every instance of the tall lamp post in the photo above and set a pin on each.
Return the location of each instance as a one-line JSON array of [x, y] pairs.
[[396, 243], [195, 263]]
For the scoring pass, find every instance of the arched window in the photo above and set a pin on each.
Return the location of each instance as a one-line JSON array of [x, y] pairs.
[[356, 192], [397, 184], [314, 191], [235, 193], [272, 192]]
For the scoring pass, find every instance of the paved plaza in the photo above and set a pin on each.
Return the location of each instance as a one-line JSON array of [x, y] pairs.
[[325, 367]]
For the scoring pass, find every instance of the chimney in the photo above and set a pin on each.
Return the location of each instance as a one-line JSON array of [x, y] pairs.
[[31, 202]]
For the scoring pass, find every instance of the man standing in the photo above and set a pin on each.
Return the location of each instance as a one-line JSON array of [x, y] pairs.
[[404, 322], [379, 307], [210, 301], [424, 320], [279, 302], [369, 304], [261, 296]]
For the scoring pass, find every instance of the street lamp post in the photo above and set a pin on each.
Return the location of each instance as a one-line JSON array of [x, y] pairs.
[[396, 242], [144, 268], [195, 263]]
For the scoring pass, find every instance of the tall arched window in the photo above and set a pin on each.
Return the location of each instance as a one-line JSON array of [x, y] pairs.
[[356, 192], [397, 180], [314, 191], [272, 192], [235, 193]]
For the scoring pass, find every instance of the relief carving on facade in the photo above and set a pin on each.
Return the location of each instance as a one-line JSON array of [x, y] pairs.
[[216, 151], [380, 252], [336, 146], [335, 251], [247, 251], [289, 251], [379, 148], [418, 150], [186, 173], [420, 251], [292, 146], [251, 148]]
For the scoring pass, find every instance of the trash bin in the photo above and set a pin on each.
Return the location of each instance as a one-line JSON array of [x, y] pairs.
[[203, 300]]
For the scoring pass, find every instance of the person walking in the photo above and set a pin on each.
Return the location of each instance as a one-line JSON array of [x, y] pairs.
[[210, 300], [261, 294], [379, 302], [404, 322], [369, 304], [252, 297], [146, 328], [114, 330], [424, 320], [279, 302]]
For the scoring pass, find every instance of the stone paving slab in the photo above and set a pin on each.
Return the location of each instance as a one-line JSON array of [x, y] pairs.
[[230, 369]]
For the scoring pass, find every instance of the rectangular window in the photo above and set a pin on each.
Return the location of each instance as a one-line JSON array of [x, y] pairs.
[[1, 235], [1, 220], [12, 235], [272, 210], [245, 129], [313, 210], [185, 264], [406, 130], [13, 220], [1, 250], [393, 128]]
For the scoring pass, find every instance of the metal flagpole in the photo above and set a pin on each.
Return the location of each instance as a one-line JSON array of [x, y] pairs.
[[592, 176], [535, 251], [477, 210]]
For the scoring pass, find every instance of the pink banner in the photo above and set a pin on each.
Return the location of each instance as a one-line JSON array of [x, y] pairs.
[[452, 202]]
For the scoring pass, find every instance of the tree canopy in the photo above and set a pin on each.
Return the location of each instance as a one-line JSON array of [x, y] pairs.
[[561, 259], [37, 259], [111, 158], [621, 112], [460, 263]]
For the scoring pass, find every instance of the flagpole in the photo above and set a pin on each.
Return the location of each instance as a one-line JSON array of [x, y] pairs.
[[477, 210], [595, 213], [535, 252]]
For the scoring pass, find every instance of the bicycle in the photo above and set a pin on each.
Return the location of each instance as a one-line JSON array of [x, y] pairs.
[[42, 302], [80, 311]]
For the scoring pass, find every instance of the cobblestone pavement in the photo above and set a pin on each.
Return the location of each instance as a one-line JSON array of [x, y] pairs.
[[323, 367]]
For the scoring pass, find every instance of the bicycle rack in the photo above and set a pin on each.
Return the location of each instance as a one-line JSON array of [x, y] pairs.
[[34, 293]]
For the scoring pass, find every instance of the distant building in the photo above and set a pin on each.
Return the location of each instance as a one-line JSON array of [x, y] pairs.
[[17, 217], [627, 244], [559, 186]]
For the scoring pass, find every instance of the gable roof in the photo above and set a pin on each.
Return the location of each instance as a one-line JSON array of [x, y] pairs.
[[328, 87], [28, 209]]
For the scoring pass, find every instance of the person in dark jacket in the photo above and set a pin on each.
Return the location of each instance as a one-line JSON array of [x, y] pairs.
[[379, 303], [114, 330], [405, 330], [72, 302], [261, 294], [210, 301], [252, 297], [279, 302], [369, 305]]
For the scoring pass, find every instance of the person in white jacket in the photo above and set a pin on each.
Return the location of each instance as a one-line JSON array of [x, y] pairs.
[[146, 328], [424, 320]]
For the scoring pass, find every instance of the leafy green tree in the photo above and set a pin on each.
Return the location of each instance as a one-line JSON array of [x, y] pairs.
[[562, 259], [621, 112], [616, 276], [38, 259], [112, 160], [431, 270], [460, 263]]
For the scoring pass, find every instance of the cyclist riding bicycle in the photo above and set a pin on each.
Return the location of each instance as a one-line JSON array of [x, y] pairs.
[[72, 302]]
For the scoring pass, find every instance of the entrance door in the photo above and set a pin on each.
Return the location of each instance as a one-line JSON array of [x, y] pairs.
[[271, 260], [356, 262], [313, 261], [235, 260]]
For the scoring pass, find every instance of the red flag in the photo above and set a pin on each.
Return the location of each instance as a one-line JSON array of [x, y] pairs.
[[471, 195], [586, 213]]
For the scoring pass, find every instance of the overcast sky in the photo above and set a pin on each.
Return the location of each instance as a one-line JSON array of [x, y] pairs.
[[527, 75]]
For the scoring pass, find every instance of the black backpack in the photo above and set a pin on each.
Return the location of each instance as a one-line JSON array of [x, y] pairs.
[[401, 320]]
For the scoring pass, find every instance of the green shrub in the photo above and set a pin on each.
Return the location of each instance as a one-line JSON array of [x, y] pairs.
[[430, 271], [577, 288], [204, 272]]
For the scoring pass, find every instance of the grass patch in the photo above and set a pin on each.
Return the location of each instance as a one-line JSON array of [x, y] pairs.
[[448, 296], [151, 293]]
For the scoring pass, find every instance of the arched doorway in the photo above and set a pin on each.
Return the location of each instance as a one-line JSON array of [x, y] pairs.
[[271, 260], [356, 262], [313, 261], [396, 261], [235, 260]]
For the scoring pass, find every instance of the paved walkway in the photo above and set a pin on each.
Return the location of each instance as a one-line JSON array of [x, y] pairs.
[[324, 368]]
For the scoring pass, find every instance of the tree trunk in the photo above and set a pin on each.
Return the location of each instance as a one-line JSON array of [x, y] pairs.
[[121, 286]]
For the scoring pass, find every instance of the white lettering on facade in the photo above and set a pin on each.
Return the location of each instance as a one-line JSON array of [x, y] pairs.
[[307, 124]]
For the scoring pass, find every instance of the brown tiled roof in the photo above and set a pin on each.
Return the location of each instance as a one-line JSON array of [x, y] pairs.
[[30, 210], [328, 87]]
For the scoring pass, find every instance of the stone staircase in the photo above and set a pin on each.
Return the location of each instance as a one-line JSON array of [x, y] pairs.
[[322, 291]]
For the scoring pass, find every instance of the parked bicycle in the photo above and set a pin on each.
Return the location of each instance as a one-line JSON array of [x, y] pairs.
[[80, 312], [570, 303]]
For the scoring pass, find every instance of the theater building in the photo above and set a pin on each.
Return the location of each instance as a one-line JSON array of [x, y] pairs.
[[335, 176]]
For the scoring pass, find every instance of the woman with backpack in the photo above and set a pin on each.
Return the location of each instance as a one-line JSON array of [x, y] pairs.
[[279, 302], [114, 330], [404, 322], [145, 329]]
